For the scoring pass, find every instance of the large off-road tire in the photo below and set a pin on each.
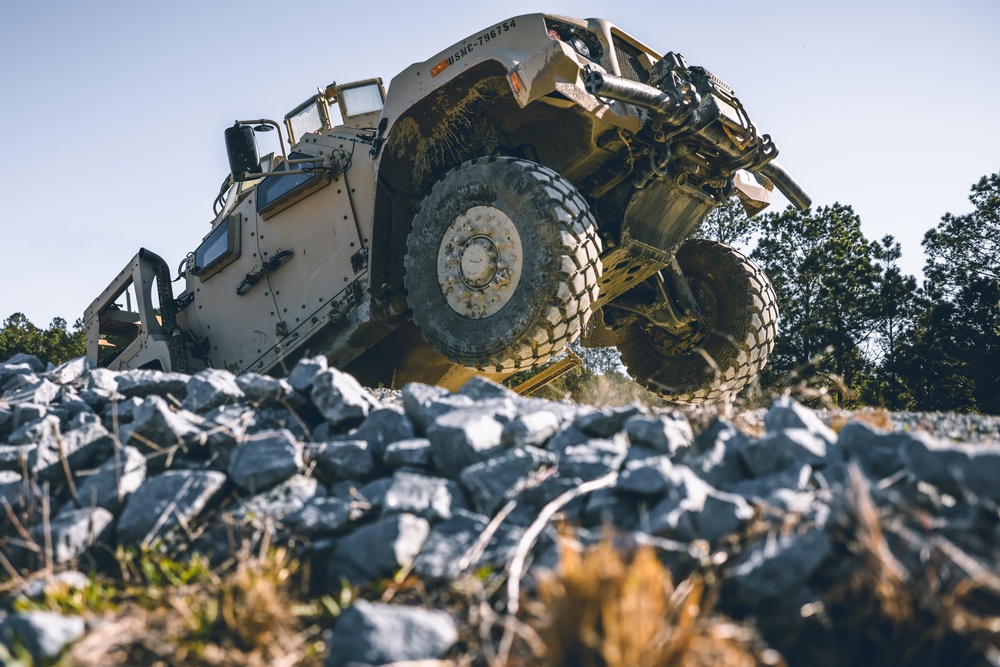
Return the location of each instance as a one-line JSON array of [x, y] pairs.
[[502, 264], [735, 332]]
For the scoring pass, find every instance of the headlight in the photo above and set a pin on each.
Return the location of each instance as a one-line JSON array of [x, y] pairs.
[[583, 41]]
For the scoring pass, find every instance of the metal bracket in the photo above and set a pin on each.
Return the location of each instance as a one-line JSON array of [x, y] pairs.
[[270, 266], [359, 260], [548, 374], [665, 299]]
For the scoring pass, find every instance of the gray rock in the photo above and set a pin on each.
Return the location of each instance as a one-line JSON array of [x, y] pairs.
[[72, 371], [432, 498], [492, 482], [449, 541], [302, 376], [372, 493], [263, 389], [278, 502], [593, 458], [789, 448], [15, 377], [786, 413], [803, 503], [13, 487], [12, 456], [379, 549], [265, 459], [377, 634], [36, 390], [651, 476], [530, 430], [276, 417], [101, 388], [340, 398], [110, 485], [669, 434], [43, 634], [343, 460], [538, 494], [224, 428], [159, 432], [721, 514], [609, 507], [605, 422], [73, 531], [165, 504], [460, 438], [82, 419], [30, 361], [12, 375], [879, 454], [211, 388], [383, 427], [955, 469], [74, 406], [26, 413], [34, 433], [714, 455], [324, 516], [777, 565], [121, 412], [424, 403], [671, 517], [412, 452], [142, 383], [80, 447], [6, 415], [566, 438], [762, 488], [481, 389]]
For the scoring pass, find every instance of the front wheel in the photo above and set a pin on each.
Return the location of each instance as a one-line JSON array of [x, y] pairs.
[[730, 342], [502, 264]]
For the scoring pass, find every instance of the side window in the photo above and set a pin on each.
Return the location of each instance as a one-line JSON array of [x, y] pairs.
[[219, 249], [276, 193]]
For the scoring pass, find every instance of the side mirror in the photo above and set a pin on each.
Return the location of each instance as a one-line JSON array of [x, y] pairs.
[[241, 147]]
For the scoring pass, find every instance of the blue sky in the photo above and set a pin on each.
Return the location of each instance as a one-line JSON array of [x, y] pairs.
[[113, 112]]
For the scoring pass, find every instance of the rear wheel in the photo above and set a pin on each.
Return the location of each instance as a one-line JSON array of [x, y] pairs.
[[729, 344], [502, 264]]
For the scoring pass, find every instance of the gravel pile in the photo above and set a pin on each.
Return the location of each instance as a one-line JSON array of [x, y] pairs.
[[363, 484]]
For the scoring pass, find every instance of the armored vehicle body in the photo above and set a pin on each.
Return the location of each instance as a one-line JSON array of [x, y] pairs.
[[533, 183]]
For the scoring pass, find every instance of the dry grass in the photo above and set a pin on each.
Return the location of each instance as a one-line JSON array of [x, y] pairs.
[[878, 418], [601, 610], [886, 615], [165, 613]]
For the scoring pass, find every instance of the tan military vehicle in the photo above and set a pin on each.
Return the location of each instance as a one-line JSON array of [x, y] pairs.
[[532, 183]]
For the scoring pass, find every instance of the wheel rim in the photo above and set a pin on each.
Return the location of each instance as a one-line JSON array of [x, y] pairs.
[[668, 345], [479, 262]]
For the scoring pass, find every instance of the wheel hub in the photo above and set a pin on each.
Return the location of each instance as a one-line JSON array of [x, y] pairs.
[[668, 344], [479, 262]]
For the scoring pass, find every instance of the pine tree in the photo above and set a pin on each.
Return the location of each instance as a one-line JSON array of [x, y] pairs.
[[953, 362], [825, 278], [53, 345]]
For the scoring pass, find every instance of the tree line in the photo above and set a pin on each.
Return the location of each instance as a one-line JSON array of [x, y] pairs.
[[852, 323], [53, 345]]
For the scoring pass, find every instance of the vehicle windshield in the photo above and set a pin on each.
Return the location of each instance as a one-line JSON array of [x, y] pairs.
[[362, 99], [303, 120]]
